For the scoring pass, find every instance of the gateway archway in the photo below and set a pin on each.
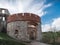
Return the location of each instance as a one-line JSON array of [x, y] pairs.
[[32, 35]]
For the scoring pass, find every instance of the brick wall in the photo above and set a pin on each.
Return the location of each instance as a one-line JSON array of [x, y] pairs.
[[24, 17]]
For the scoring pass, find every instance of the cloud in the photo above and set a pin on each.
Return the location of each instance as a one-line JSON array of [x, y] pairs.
[[21, 6], [55, 24], [46, 28], [48, 5]]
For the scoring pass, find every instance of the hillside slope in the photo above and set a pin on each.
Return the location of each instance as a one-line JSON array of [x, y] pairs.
[[6, 40]]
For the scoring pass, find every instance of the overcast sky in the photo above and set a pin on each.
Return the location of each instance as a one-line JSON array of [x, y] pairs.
[[48, 10]]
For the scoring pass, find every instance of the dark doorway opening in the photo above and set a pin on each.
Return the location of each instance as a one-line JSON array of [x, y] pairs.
[[4, 30], [16, 33], [32, 36]]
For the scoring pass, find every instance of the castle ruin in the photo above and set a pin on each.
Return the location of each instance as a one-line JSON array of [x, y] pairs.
[[21, 26]]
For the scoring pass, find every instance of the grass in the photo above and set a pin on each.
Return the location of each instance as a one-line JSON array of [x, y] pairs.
[[56, 43], [6, 40], [4, 36]]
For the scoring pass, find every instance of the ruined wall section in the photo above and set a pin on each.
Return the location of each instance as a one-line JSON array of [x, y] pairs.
[[4, 13], [23, 17], [21, 26]]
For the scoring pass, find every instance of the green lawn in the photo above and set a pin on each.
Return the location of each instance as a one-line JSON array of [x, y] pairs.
[[6, 40]]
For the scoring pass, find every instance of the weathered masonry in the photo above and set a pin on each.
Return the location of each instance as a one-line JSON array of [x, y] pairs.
[[24, 26], [4, 13]]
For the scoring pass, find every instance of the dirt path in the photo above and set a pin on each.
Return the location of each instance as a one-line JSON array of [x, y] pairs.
[[37, 43]]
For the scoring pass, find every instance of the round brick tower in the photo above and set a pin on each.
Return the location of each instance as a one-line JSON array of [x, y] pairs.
[[24, 26]]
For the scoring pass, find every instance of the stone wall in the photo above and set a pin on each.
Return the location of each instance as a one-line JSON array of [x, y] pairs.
[[39, 32], [21, 26], [4, 13]]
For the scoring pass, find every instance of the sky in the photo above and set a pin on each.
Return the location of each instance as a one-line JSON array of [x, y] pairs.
[[48, 10]]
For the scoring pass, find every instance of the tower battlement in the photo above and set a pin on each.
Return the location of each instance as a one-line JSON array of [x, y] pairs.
[[23, 17]]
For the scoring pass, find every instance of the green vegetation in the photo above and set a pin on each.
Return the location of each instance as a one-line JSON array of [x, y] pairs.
[[4, 36], [51, 37], [48, 37], [6, 40]]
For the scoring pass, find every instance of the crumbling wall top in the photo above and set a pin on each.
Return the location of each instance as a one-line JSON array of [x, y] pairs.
[[23, 17]]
